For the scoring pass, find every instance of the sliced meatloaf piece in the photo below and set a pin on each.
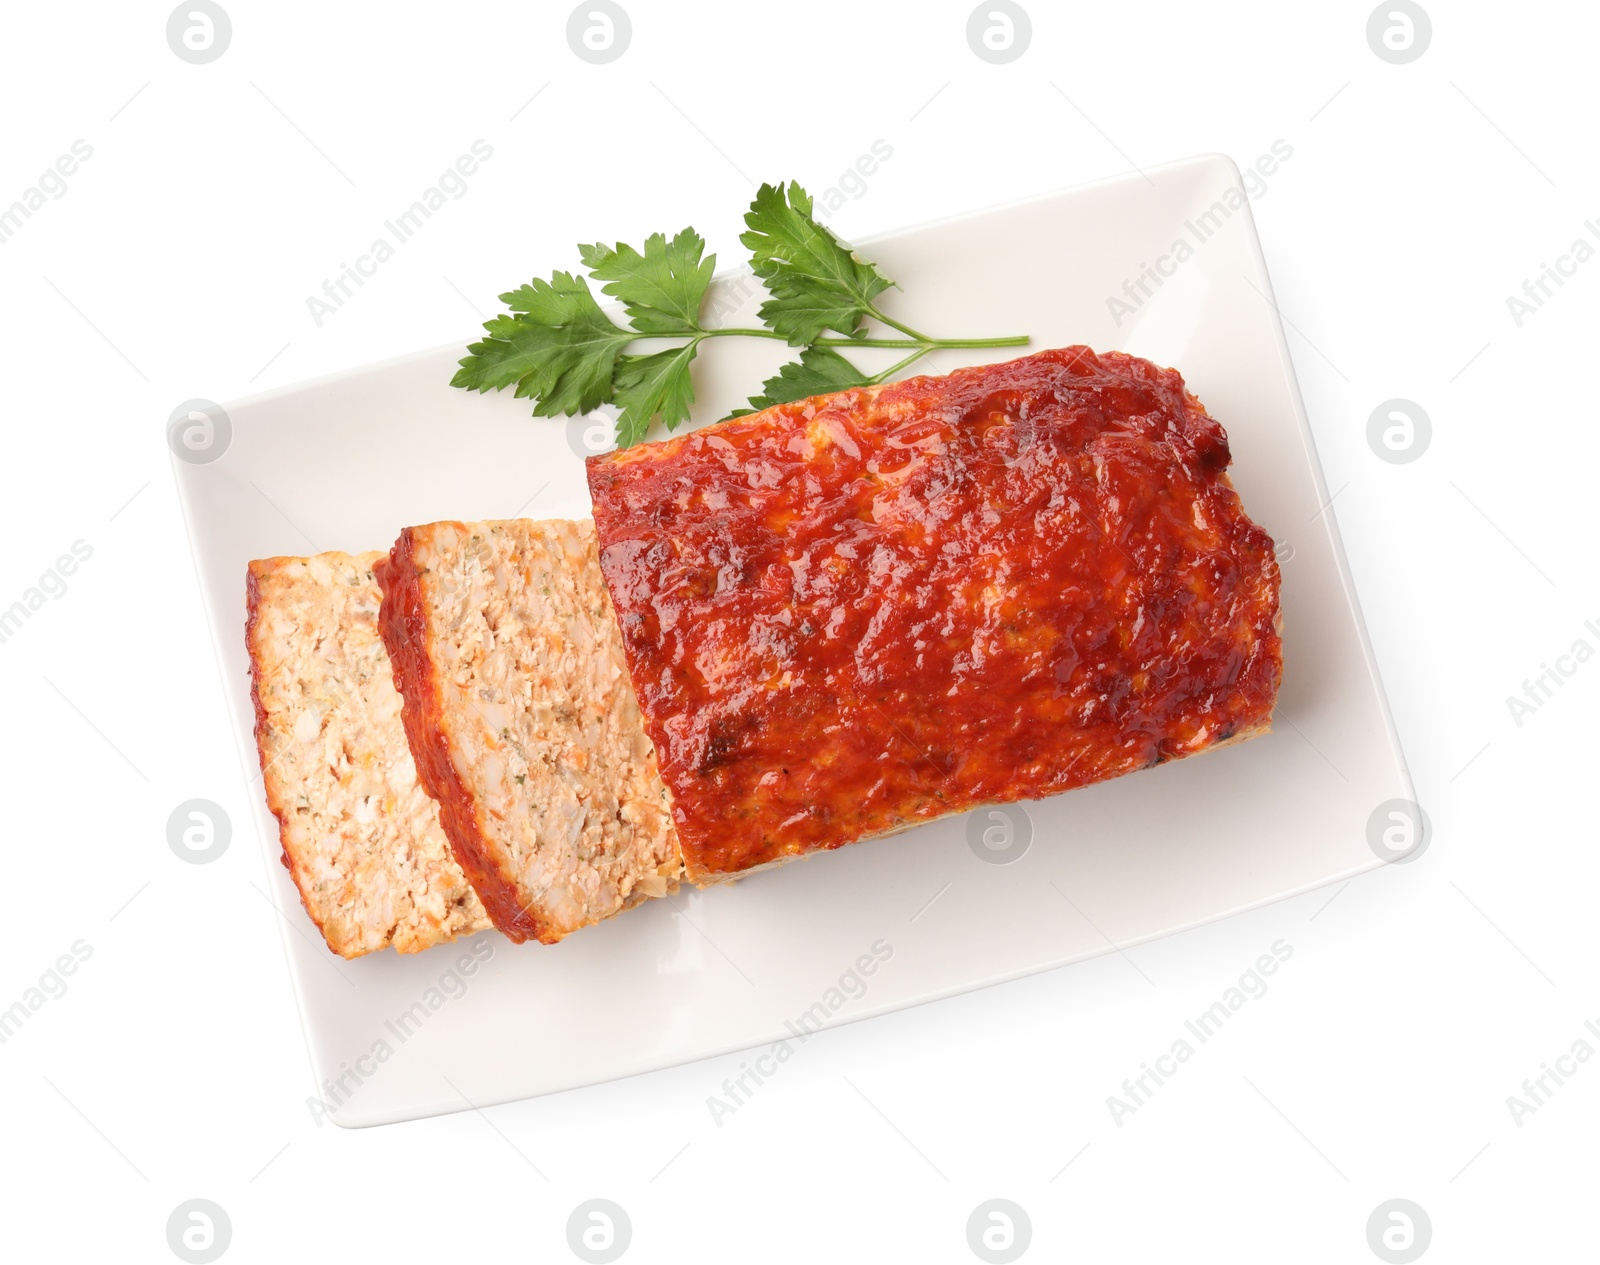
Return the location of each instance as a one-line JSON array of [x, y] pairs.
[[360, 836], [523, 722], [853, 613]]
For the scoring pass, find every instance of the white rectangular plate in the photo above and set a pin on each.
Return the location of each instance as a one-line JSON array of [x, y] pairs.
[[345, 462]]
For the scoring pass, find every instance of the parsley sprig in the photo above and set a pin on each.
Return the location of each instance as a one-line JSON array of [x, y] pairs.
[[557, 347]]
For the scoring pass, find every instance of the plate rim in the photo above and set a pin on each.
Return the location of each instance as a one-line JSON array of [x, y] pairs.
[[349, 1115]]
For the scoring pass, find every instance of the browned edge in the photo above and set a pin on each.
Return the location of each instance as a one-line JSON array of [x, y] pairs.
[[403, 622]]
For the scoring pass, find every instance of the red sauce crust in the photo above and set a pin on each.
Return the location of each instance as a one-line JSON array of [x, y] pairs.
[[404, 625], [853, 613]]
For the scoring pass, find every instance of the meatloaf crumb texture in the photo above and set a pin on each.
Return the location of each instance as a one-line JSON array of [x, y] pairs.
[[524, 723], [360, 837]]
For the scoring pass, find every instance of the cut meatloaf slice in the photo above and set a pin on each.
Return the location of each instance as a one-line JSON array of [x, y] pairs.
[[524, 724], [360, 837], [853, 613]]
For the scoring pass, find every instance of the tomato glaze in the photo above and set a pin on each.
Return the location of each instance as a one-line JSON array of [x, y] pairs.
[[864, 610]]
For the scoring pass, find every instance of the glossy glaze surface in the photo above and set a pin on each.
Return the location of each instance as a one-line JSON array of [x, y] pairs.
[[860, 611]]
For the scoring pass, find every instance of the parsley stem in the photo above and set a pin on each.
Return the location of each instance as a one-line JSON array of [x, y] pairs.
[[733, 332], [1015, 340], [895, 368], [1011, 340], [1020, 340], [894, 324]]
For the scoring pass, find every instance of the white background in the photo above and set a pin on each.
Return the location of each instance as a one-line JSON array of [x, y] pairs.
[[178, 264]]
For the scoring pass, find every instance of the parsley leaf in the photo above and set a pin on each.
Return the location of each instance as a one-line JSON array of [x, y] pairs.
[[816, 283], [647, 385], [819, 371], [498, 361], [662, 289], [558, 348]]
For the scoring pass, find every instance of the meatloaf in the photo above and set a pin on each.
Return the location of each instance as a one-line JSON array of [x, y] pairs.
[[360, 837], [850, 614], [523, 722]]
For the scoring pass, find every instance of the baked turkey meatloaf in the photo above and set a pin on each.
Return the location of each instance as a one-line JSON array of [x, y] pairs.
[[849, 614], [523, 722], [360, 837]]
